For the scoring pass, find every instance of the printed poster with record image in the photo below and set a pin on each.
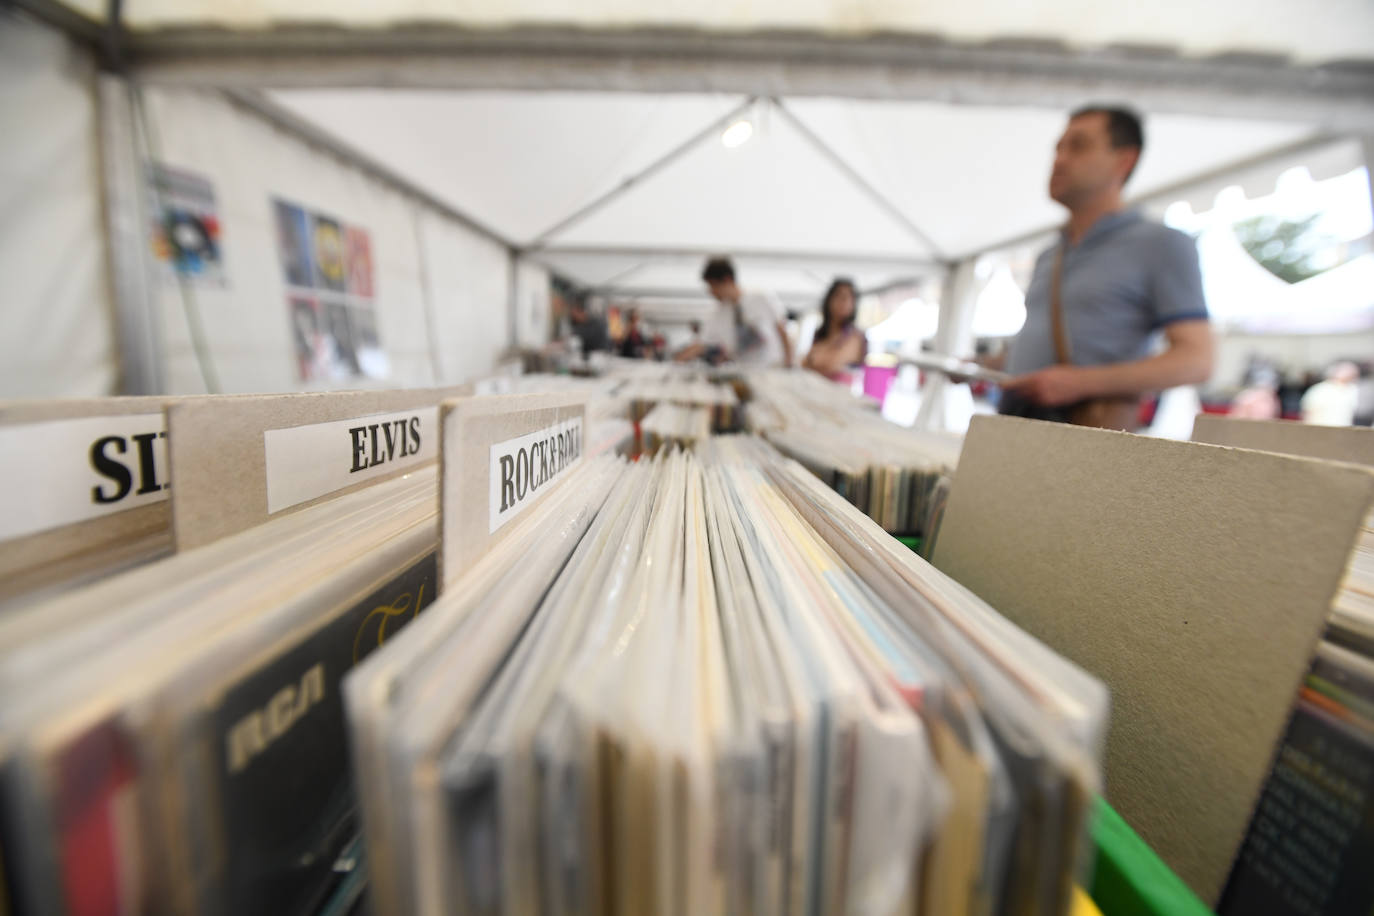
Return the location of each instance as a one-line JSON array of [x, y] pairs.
[[330, 295], [185, 230]]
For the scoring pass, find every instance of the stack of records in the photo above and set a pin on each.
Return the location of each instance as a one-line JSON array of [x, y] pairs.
[[704, 683], [1311, 837], [173, 737], [675, 424], [891, 473], [687, 388], [1352, 618]]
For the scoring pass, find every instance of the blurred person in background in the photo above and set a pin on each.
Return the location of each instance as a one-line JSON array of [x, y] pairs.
[[695, 345], [746, 326], [1364, 401], [1258, 400], [633, 344], [587, 327], [1101, 292], [838, 345], [1332, 402]]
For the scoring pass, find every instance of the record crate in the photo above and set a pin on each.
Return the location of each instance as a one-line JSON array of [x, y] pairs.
[[1128, 879]]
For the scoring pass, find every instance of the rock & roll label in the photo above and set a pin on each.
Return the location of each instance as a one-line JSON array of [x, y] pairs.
[[522, 468]]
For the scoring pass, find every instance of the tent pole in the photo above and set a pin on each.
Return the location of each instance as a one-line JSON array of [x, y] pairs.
[[858, 180], [512, 301], [137, 328], [542, 239], [436, 360], [1367, 142], [953, 336]]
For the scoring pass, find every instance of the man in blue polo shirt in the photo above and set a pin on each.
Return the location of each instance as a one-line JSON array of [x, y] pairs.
[[1099, 295]]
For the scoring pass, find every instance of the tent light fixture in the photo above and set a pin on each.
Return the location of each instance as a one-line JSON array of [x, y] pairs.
[[737, 134]]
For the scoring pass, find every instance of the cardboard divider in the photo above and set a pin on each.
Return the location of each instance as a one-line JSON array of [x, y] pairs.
[[87, 489], [1353, 444], [240, 461], [501, 455], [1319, 794], [1194, 580]]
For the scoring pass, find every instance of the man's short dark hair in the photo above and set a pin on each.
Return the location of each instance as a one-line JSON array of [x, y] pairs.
[[1124, 128], [718, 269]]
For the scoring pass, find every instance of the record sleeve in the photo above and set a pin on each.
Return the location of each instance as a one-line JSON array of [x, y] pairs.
[[278, 765]]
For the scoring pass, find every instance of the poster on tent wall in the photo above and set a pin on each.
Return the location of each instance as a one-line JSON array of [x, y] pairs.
[[330, 295], [185, 231]]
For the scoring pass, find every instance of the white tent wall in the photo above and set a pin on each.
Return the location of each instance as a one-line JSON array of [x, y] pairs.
[[59, 337], [468, 287], [432, 275]]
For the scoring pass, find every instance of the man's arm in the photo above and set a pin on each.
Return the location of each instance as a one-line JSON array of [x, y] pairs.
[[1186, 361], [995, 361], [689, 352]]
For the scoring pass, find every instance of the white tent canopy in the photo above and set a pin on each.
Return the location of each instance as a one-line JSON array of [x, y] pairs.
[[879, 191]]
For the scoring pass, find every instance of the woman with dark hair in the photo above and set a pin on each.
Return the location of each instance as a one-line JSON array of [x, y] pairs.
[[837, 344]]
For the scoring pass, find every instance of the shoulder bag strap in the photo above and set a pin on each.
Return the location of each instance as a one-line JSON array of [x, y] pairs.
[[1062, 354]]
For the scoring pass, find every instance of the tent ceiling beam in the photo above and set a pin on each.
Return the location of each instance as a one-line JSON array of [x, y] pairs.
[[684, 293], [783, 257], [1181, 187], [872, 193], [1338, 96], [662, 162], [893, 284], [695, 294], [620, 278]]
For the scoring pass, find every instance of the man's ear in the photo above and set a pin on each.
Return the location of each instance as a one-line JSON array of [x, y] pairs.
[[1130, 158]]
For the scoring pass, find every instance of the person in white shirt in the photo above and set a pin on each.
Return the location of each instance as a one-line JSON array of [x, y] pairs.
[[1332, 402], [745, 327]]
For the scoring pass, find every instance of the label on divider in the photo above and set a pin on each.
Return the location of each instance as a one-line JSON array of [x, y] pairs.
[[307, 462], [64, 471], [522, 467]]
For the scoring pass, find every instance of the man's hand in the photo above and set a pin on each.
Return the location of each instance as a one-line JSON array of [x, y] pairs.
[[1054, 386], [689, 352], [1186, 361], [994, 361]]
